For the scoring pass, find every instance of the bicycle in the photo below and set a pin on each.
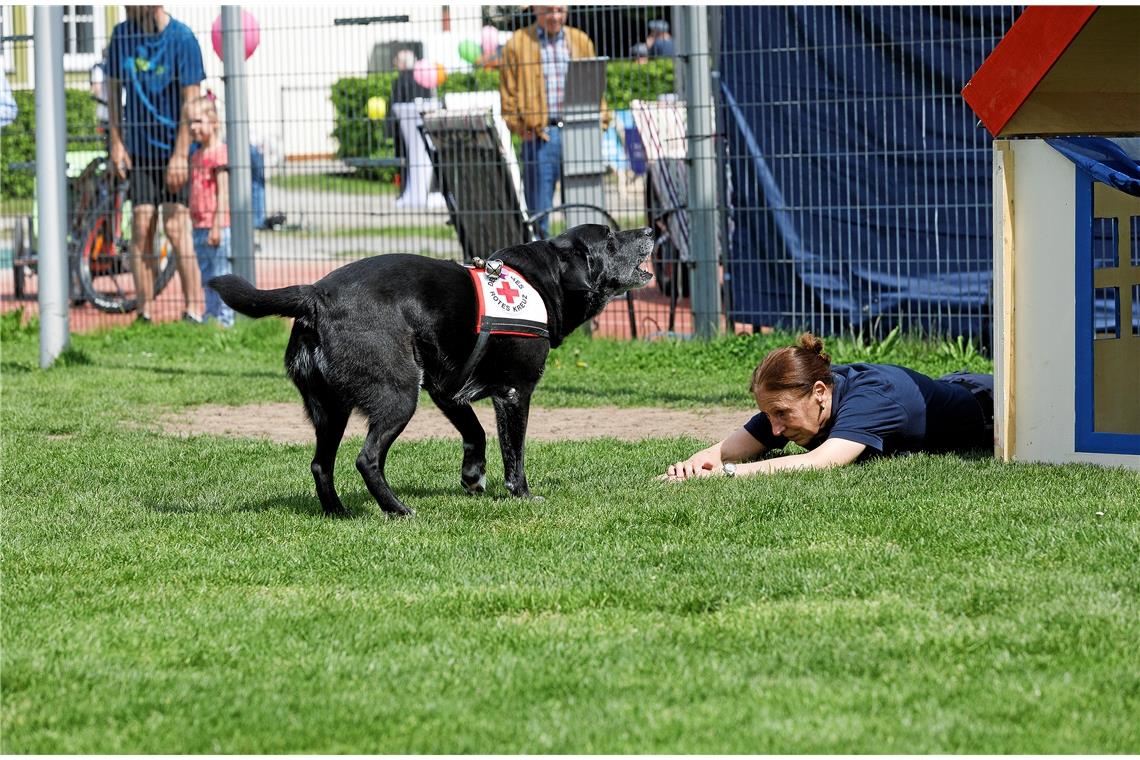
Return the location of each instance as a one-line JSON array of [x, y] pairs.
[[99, 238]]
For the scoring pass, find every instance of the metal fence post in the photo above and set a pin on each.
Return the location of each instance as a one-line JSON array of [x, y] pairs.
[[702, 205], [51, 183], [237, 139]]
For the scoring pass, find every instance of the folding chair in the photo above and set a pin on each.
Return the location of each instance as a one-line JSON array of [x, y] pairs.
[[661, 126]]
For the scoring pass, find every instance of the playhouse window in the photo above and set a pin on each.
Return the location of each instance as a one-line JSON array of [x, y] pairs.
[[1135, 243], [1135, 304], [1106, 313], [1104, 243]]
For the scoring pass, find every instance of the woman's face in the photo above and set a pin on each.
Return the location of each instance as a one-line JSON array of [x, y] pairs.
[[797, 418]]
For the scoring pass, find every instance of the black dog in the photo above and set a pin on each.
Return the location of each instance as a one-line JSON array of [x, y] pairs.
[[370, 334]]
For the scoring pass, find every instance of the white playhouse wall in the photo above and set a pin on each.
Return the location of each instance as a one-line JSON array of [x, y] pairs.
[[1035, 307]]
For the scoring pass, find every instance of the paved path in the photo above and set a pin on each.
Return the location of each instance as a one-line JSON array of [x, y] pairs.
[[305, 256]]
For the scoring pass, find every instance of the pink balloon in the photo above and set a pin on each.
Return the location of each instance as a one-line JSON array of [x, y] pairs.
[[490, 40], [248, 24], [426, 74]]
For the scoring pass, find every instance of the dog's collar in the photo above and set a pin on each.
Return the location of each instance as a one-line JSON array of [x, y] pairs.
[[507, 305]]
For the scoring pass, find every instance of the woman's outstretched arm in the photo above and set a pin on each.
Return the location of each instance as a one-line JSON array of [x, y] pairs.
[[834, 452], [740, 446]]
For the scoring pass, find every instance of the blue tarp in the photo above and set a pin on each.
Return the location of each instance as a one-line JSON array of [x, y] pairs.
[[1106, 160], [860, 179], [1102, 159]]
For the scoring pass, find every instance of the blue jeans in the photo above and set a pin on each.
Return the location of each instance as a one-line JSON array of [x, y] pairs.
[[257, 190], [542, 168], [214, 260]]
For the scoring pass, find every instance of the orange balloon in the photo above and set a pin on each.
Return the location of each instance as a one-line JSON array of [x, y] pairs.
[[442, 74]]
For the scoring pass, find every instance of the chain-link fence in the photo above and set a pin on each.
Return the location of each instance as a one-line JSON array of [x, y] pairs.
[[839, 179]]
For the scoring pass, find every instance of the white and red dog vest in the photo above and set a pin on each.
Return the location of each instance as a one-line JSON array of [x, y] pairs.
[[508, 305]]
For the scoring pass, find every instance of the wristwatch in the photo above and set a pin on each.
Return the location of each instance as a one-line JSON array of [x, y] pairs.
[[729, 469]]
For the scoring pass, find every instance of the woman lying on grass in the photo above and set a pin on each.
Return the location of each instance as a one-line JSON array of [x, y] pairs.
[[846, 413]]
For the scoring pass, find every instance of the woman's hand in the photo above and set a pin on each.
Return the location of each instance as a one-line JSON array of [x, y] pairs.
[[214, 238], [739, 446], [699, 465]]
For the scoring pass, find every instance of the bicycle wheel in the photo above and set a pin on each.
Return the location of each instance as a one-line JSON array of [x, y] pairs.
[[103, 258]]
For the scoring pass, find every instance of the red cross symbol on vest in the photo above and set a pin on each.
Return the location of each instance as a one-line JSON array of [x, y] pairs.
[[507, 292]]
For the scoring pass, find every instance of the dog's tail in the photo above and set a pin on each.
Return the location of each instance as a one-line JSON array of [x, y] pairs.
[[292, 301]]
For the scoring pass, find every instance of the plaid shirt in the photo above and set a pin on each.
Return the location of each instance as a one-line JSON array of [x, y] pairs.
[[555, 54]]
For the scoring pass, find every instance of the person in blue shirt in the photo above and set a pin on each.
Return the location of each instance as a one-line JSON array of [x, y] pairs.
[[659, 41], [846, 413], [156, 60]]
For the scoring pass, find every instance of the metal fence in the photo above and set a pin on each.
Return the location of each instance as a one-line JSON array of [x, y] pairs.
[[860, 181], [350, 157]]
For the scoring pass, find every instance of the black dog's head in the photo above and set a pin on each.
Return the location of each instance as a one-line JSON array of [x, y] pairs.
[[582, 270], [596, 260]]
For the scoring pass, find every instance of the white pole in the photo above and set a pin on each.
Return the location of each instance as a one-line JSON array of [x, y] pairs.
[[51, 183], [237, 140]]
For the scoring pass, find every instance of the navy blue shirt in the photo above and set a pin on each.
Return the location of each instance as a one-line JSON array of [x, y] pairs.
[[153, 69], [662, 48], [891, 409]]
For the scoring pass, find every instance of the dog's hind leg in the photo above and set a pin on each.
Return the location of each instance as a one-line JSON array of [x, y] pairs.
[[329, 422], [383, 428], [473, 476]]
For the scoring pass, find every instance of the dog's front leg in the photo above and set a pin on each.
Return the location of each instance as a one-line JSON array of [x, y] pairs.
[[511, 411]]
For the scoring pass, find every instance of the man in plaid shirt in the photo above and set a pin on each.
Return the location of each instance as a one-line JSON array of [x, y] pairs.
[[532, 85]]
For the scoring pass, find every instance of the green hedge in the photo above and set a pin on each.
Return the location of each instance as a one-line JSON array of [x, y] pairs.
[[360, 137], [627, 81], [18, 140], [357, 135]]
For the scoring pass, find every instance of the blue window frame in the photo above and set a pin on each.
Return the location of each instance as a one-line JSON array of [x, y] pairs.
[[1088, 255]]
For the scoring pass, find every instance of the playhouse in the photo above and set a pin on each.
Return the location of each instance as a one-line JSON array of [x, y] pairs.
[[1066, 221]]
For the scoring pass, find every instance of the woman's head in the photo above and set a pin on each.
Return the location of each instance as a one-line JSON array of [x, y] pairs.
[[793, 387], [202, 115], [404, 60]]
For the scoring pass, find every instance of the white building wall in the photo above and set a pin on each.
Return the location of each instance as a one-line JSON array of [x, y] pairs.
[[302, 52]]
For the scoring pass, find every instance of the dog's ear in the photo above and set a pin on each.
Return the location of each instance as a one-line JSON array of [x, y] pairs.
[[576, 266], [574, 270]]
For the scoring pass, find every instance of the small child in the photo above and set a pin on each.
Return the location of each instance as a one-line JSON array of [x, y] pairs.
[[210, 203]]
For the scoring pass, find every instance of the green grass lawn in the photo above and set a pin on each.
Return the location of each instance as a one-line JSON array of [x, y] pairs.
[[167, 595], [333, 183]]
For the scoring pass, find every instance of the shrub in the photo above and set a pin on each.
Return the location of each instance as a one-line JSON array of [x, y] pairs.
[[627, 81], [471, 81], [18, 140], [357, 135]]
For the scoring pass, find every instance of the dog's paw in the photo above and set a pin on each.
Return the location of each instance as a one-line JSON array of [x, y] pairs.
[[338, 513], [399, 512], [475, 487]]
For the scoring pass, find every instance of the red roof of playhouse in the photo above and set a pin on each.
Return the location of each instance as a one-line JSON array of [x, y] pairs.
[[1062, 70]]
